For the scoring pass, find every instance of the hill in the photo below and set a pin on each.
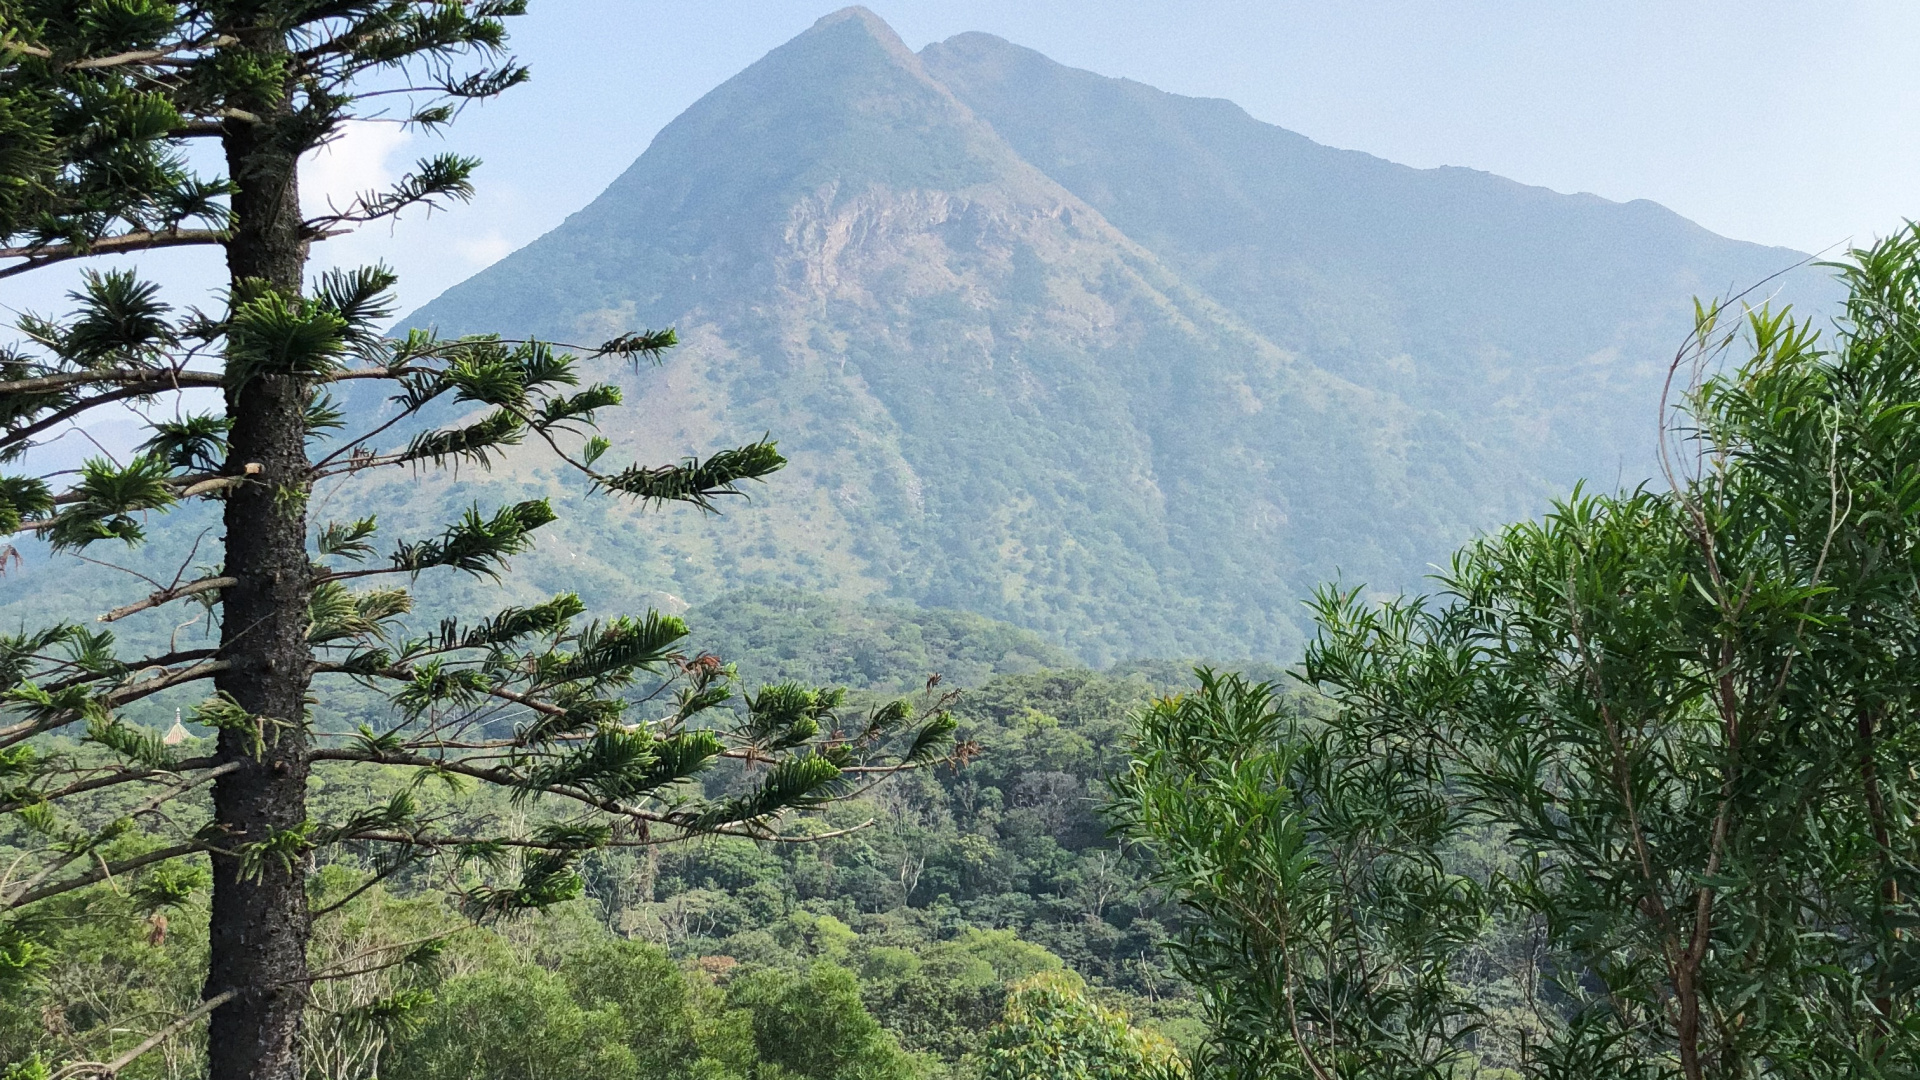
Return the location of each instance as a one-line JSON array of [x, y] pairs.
[[1544, 322], [1132, 370], [1129, 370]]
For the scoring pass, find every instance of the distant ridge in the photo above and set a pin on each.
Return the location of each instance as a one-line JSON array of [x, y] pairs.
[[1131, 370], [1545, 317]]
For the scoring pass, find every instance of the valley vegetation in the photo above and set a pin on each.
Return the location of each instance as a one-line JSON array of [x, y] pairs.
[[1632, 794]]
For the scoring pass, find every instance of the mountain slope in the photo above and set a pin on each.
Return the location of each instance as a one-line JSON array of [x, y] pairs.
[[1544, 318], [1127, 369], [776, 634]]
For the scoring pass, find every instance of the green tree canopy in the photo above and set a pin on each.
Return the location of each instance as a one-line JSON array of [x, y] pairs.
[[275, 388], [812, 1025], [1053, 1031], [1681, 717]]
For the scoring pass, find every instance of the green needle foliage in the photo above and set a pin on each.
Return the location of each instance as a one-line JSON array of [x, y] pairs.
[[598, 728], [1324, 920], [1684, 717]]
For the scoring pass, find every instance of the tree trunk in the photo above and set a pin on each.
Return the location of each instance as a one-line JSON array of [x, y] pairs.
[[1866, 722], [258, 938]]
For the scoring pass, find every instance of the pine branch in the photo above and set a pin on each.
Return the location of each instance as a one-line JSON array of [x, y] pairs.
[[372, 882], [120, 776], [102, 871], [406, 675], [444, 177], [14, 436], [197, 487], [188, 486], [617, 842], [147, 664], [502, 777], [695, 481], [166, 596], [175, 378], [334, 970], [112, 1068], [26, 893], [39, 255], [134, 692]]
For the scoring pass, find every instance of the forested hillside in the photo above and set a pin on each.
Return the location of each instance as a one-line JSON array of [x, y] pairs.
[[889, 949], [1127, 369], [1036, 614]]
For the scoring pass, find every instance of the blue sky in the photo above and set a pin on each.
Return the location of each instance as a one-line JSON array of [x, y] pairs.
[[1787, 123]]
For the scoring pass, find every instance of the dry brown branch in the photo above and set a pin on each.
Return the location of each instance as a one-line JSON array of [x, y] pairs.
[[112, 1068], [172, 377], [39, 255], [165, 596]]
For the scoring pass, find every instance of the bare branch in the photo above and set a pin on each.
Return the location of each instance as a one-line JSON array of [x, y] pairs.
[[147, 56], [112, 1068], [173, 377], [218, 483], [165, 596], [40, 255], [102, 871]]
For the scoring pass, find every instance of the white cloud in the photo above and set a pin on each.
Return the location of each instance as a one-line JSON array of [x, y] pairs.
[[484, 251], [357, 161]]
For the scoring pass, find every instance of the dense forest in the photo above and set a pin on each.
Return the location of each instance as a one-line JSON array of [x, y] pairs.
[[302, 780], [713, 959]]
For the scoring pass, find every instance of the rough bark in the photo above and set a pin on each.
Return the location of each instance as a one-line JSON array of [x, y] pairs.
[[258, 938]]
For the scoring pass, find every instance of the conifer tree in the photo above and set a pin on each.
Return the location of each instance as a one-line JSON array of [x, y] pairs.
[[102, 103]]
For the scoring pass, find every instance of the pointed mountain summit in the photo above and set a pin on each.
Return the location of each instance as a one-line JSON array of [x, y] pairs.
[[843, 106], [1128, 369]]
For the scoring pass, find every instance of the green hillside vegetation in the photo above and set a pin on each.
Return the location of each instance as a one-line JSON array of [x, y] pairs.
[[486, 758], [776, 635], [1541, 324], [1130, 370], [886, 952]]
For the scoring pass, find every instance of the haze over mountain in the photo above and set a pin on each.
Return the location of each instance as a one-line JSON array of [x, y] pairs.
[[1132, 370]]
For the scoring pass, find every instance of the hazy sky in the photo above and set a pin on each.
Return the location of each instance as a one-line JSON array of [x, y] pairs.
[[1787, 123]]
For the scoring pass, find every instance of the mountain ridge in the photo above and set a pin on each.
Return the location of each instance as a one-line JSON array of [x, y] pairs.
[[1020, 371], [1380, 235]]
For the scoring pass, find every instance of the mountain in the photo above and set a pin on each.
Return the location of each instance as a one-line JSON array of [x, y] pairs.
[[1131, 370], [1544, 321]]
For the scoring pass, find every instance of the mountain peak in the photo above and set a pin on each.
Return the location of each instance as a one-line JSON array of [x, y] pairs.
[[857, 20], [856, 13], [1130, 369]]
